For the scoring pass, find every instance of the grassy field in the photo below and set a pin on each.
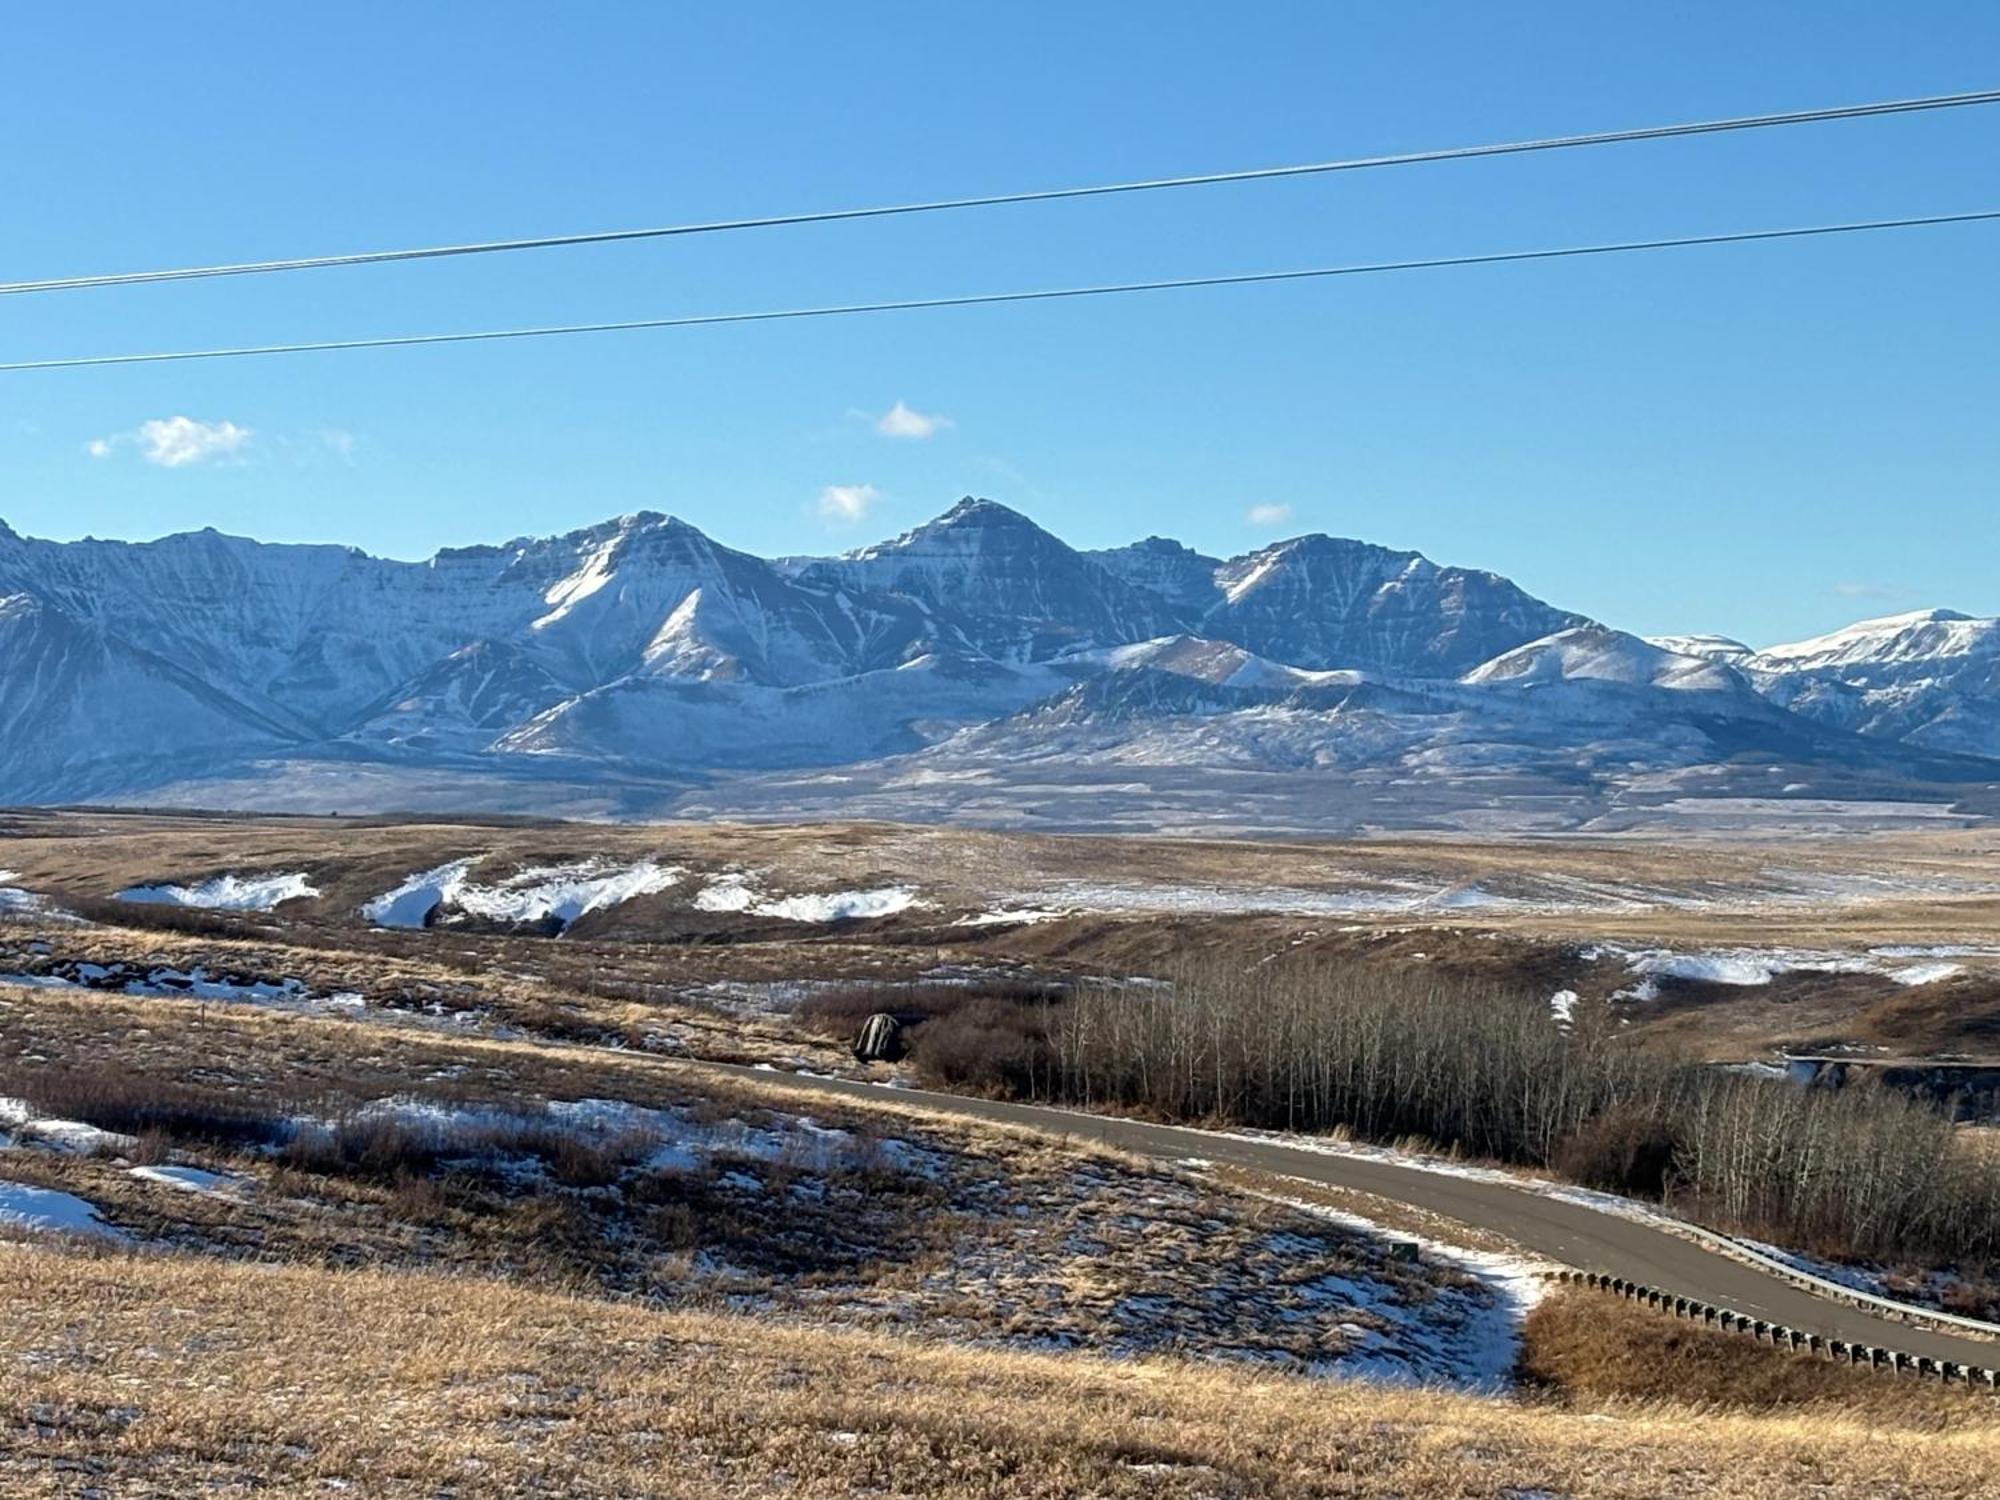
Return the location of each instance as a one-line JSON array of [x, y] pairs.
[[342, 1143], [1589, 1349], [1545, 915], [414, 1273], [152, 1375]]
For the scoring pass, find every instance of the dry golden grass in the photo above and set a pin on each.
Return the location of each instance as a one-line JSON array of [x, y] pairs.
[[659, 949], [1591, 1347], [443, 988], [993, 1234], [95, 853], [163, 1376]]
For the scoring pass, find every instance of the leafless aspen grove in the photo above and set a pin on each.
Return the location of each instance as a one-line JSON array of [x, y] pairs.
[[1391, 1055]]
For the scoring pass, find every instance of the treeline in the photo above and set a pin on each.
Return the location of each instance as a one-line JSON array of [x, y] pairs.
[[1389, 1054]]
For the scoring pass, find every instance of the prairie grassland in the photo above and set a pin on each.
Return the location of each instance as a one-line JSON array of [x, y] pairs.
[[442, 989], [1591, 1348], [155, 1375], [1522, 912], [349, 1143], [1908, 882]]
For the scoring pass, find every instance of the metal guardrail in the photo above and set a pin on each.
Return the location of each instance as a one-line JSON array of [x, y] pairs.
[[1778, 1336], [1836, 1291]]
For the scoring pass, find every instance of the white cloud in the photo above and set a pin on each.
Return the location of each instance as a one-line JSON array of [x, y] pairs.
[[1866, 591], [174, 442], [1268, 515], [338, 442], [899, 421], [845, 504]]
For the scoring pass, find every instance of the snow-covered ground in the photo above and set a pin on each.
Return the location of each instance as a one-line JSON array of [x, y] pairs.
[[195, 983], [1011, 916], [666, 1139], [49, 1211], [226, 892], [740, 892], [186, 1179], [1352, 893], [411, 903], [13, 900], [727, 893], [1146, 898], [1470, 1341], [1754, 967], [20, 1124], [540, 893], [839, 906]]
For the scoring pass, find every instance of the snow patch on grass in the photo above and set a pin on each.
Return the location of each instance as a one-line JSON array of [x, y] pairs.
[[1914, 974], [1011, 916], [45, 1209], [839, 906], [1753, 967], [540, 893], [24, 1126], [226, 892], [727, 893], [186, 1179], [411, 903], [1469, 1341]]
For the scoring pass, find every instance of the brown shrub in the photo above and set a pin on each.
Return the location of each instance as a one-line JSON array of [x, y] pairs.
[[994, 1047], [1624, 1151], [162, 1109]]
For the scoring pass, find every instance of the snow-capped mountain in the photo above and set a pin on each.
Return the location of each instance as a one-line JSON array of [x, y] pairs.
[[977, 649], [990, 581], [1327, 602], [1931, 678]]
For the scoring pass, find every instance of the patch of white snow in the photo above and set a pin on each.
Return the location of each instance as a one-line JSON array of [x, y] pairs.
[[226, 892]]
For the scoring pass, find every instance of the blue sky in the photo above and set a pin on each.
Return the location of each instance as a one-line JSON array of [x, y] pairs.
[[1763, 440]]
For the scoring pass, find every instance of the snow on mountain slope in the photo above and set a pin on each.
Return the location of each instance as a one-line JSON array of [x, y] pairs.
[[616, 659], [305, 634], [82, 712], [1179, 577], [1931, 678], [1220, 662], [1587, 704], [657, 593], [1924, 635], [1319, 602], [995, 583], [648, 722], [1595, 653], [460, 705], [1714, 647]]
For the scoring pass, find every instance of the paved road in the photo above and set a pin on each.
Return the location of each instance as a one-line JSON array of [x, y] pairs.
[[1571, 1233]]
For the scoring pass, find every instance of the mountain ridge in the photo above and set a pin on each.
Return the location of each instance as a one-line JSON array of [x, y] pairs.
[[640, 646]]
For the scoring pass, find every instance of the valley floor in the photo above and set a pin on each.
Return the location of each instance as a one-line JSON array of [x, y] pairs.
[[323, 1198]]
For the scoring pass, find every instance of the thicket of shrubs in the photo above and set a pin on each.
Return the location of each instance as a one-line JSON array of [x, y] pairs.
[[1394, 1053], [988, 1037]]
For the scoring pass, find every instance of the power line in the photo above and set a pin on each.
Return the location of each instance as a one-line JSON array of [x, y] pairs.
[[1044, 195], [983, 299]]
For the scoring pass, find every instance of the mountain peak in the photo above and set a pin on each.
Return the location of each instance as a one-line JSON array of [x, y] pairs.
[[1917, 634], [974, 510]]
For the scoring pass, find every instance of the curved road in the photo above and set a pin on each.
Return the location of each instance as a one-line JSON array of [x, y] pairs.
[[1570, 1233]]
